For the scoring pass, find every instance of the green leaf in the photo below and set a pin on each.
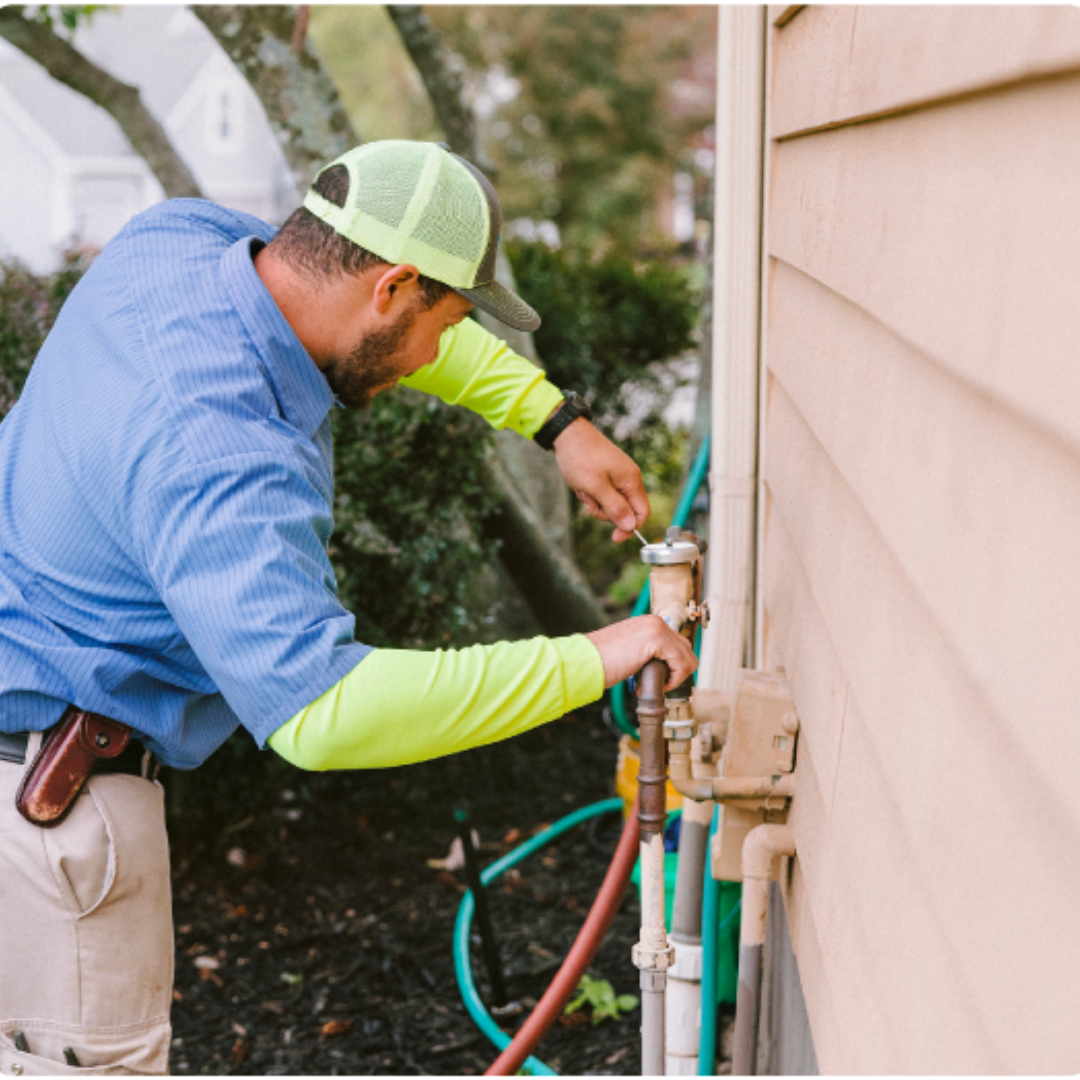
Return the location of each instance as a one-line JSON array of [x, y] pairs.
[[600, 995]]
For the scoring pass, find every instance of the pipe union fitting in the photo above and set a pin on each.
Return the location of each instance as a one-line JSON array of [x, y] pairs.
[[652, 959], [679, 731]]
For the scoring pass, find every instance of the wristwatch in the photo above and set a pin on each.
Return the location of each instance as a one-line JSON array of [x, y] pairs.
[[573, 406]]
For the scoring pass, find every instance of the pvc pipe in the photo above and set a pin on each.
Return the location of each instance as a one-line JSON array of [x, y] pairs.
[[462, 965], [761, 846], [580, 956], [652, 955], [683, 1007]]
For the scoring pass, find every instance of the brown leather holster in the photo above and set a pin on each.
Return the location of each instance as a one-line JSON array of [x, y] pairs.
[[64, 763]]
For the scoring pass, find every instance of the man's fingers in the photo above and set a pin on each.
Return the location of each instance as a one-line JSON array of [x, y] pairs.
[[639, 504], [591, 505], [680, 666], [618, 511]]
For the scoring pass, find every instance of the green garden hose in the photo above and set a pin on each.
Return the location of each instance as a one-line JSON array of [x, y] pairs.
[[462, 965]]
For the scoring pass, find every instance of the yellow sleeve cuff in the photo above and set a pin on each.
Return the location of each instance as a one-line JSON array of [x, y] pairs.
[[397, 707], [475, 369]]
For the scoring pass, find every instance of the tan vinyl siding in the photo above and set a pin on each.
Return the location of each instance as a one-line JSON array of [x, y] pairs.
[[870, 61], [921, 572]]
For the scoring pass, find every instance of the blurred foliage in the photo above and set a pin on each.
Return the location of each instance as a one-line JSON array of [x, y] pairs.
[[409, 487], [600, 996], [588, 109], [69, 16], [611, 326], [29, 305], [607, 320], [379, 86]]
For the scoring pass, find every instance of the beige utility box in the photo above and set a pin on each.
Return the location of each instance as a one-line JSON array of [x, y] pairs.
[[760, 743]]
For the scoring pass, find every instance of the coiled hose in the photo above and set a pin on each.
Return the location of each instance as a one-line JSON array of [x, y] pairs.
[[515, 1051]]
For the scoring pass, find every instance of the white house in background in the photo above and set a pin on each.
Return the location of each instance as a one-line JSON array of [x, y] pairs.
[[69, 176]]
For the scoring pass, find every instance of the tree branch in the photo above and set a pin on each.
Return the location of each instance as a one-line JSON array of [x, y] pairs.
[[299, 97], [533, 521], [440, 71], [67, 65]]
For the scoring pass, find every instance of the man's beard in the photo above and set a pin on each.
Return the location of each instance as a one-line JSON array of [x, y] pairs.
[[371, 366]]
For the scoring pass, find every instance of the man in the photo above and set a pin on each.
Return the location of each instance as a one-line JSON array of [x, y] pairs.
[[165, 509]]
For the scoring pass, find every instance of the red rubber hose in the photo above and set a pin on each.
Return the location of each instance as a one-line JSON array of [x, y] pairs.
[[580, 956]]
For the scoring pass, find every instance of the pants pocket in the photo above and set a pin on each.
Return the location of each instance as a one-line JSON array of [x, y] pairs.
[[82, 854], [130, 1050]]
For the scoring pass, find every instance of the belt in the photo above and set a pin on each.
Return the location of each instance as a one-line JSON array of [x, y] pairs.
[[130, 761]]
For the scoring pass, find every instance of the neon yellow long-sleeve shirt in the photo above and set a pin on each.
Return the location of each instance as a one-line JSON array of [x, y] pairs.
[[397, 706], [475, 369]]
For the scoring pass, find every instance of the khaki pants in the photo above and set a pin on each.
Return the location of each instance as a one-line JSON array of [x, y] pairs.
[[86, 938]]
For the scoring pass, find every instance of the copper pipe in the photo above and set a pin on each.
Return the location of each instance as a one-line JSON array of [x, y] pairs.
[[652, 773]]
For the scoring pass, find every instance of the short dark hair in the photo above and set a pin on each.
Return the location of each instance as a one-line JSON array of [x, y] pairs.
[[317, 249]]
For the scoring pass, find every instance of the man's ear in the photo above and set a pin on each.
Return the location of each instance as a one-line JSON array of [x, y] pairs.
[[393, 284]]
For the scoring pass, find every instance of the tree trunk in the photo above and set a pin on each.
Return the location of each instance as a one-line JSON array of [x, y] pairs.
[[536, 499], [67, 65], [440, 71], [284, 70]]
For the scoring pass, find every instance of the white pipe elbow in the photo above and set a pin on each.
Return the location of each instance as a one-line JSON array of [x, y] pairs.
[[761, 846]]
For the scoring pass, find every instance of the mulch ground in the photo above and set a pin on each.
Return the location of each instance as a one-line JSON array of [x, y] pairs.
[[313, 938]]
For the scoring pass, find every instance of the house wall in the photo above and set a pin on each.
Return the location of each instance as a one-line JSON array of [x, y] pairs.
[[920, 575], [30, 233]]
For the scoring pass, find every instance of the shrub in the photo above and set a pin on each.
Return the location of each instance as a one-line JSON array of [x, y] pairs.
[[611, 326], [29, 305]]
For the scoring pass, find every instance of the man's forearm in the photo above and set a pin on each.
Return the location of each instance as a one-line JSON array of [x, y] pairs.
[[475, 369], [397, 707]]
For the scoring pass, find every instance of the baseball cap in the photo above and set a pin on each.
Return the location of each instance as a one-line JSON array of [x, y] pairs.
[[419, 203]]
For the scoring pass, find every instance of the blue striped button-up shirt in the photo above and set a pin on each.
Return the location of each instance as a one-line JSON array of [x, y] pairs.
[[165, 500]]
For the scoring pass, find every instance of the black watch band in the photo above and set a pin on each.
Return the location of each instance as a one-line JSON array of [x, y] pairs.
[[573, 406]]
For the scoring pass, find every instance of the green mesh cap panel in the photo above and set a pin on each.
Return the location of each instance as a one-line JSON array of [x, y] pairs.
[[460, 208], [383, 184], [412, 202]]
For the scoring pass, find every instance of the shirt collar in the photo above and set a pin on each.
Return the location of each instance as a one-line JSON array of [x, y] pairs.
[[303, 394]]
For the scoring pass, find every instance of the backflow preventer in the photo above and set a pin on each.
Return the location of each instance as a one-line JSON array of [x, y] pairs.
[[740, 754], [675, 584]]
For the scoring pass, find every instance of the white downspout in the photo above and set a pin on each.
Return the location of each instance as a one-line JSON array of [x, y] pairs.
[[736, 340], [737, 270]]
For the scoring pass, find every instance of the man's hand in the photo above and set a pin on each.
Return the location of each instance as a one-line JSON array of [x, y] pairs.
[[626, 646], [604, 478]]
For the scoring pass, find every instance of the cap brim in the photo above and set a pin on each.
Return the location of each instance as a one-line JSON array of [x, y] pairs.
[[503, 304]]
